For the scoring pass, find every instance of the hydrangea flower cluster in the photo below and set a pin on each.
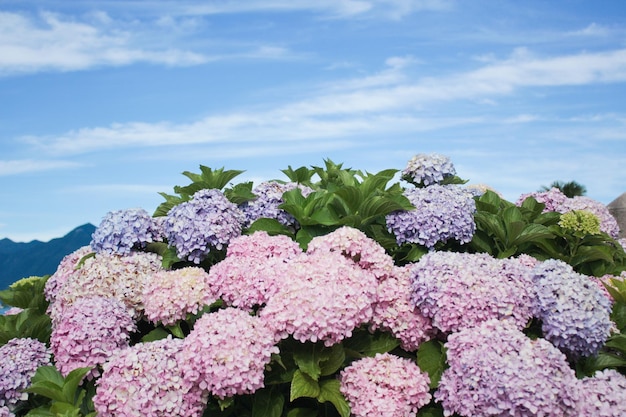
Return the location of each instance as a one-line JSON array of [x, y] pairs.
[[6, 412], [428, 169], [269, 197], [574, 312], [226, 352], [580, 222], [395, 312], [207, 221], [168, 296], [121, 277], [552, 198], [356, 246], [89, 332], [442, 212], [66, 267], [254, 267], [608, 224], [384, 385], [311, 305], [495, 370], [459, 290], [124, 230], [19, 360], [146, 380], [603, 394]]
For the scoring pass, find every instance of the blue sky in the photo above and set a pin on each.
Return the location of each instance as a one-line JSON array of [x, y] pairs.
[[103, 104]]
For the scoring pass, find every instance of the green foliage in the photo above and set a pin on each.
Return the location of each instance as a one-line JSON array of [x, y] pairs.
[[431, 358], [32, 321], [67, 395]]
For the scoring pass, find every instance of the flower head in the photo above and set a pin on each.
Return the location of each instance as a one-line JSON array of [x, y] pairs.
[[269, 197], [124, 230], [602, 395], [552, 198], [495, 370], [384, 385], [19, 360], [608, 224], [574, 311], [441, 213], [66, 267], [168, 296], [580, 222], [146, 380], [206, 222], [428, 169], [226, 352], [459, 290], [89, 332]]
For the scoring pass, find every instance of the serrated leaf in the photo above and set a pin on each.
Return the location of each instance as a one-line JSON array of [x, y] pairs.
[[380, 342], [334, 359], [431, 358], [329, 392], [307, 357], [72, 381], [303, 385]]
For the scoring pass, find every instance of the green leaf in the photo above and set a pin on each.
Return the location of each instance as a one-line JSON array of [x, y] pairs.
[[335, 357], [268, 402], [47, 389], [303, 385], [302, 412], [40, 412], [240, 193], [271, 226], [307, 357], [61, 409], [431, 410], [72, 381], [368, 344], [155, 334], [329, 392], [170, 257], [431, 358]]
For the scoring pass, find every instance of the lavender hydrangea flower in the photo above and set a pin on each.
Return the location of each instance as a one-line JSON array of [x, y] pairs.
[[124, 230], [226, 353], [574, 312], [602, 395], [89, 332], [311, 305], [384, 385], [428, 169], [441, 213], [168, 296], [552, 198], [146, 380], [495, 370], [206, 222], [269, 197], [19, 360], [394, 312], [459, 290]]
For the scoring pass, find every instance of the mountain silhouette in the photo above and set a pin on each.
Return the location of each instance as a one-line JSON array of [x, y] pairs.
[[19, 260]]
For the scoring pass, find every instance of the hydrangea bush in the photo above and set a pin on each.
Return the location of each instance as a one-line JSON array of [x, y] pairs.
[[333, 293]]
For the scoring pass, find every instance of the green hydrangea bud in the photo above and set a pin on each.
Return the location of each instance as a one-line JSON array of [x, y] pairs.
[[580, 222]]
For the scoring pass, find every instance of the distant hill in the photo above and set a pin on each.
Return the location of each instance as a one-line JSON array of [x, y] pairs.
[[19, 260]]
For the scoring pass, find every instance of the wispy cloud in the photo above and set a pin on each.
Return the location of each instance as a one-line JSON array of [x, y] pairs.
[[21, 166]]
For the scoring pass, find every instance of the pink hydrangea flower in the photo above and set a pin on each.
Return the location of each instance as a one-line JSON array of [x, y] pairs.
[[552, 199], [394, 311], [385, 385], [324, 298], [168, 296], [260, 244], [356, 246], [66, 267], [89, 332], [459, 290], [121, 277], [603, 394], [226, 353], [145, 381]]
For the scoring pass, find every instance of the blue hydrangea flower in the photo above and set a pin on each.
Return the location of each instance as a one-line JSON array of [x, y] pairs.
[[269, 197], [442, 212], [207, 221], [428, 169], [574, 311], [124, 230]]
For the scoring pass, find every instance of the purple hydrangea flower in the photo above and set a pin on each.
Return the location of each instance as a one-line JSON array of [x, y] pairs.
[[553, 199], [395, 312], [574, 311], [124, 230], [168, 296], [226, 353], [207, 221], [19, 360], [269, 197], [428, 169], [602, 395], [146, 380], [459, 290], [89, 332], [384, 385], [441, 213], [495, 370]]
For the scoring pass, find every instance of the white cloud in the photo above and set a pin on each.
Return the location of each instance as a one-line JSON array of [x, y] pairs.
[[21, 166]]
